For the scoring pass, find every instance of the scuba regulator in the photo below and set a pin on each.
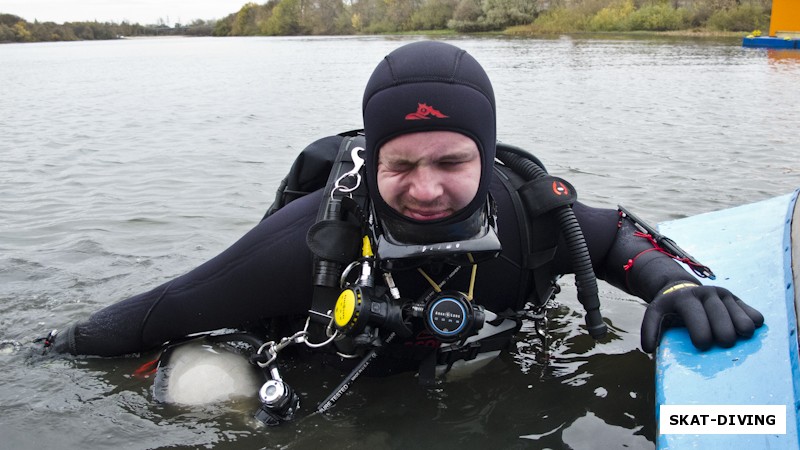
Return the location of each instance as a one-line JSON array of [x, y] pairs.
[[370, 316], [362, 308]]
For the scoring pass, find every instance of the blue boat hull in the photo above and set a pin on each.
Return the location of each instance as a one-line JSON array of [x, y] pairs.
[[750, 250], [770, 42]]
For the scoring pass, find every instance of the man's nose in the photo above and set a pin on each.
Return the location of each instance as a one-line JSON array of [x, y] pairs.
[[426, 184]]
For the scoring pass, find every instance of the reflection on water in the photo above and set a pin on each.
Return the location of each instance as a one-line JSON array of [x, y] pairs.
[[788, 57], [126, 163]]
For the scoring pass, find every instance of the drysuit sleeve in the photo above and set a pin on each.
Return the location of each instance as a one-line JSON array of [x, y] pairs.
[[265, 274], [675, 297]]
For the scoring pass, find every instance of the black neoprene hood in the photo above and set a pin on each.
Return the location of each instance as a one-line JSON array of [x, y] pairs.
[[429, 86]]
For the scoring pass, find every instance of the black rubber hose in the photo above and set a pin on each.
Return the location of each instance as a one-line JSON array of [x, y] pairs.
[[585, 280]]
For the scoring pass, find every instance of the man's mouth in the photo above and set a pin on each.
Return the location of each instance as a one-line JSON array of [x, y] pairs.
[[425, 215]]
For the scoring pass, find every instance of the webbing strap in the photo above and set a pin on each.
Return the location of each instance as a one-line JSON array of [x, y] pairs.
[[330, 259]]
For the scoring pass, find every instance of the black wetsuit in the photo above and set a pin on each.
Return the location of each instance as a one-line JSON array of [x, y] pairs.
[[420, 87], [268, 274]]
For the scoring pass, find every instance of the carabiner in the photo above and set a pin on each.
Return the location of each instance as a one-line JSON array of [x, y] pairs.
[[355, 173]]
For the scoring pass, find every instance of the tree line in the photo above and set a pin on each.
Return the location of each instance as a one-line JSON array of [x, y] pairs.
[[344, 17], [332, 17], [15, 29]]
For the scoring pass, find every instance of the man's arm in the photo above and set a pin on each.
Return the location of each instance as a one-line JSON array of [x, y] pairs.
[[631, 262]]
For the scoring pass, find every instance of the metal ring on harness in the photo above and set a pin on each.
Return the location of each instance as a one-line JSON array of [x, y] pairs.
[[346, 272], [325, 342]]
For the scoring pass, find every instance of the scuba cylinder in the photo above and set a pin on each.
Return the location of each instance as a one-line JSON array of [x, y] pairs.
[[207, 368]]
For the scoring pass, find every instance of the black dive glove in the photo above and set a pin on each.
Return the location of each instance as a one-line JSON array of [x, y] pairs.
[[711, 314]]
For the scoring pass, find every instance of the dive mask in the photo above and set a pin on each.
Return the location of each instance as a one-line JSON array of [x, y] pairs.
[[481, 244]]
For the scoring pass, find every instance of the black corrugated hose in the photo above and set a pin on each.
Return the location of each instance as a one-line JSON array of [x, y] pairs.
[[527, 166]]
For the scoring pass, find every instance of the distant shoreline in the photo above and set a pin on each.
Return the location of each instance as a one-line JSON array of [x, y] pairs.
[[701, 34], [694, 19]]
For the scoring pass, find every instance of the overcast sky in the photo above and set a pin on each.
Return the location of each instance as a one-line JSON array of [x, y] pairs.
[[133, 11]]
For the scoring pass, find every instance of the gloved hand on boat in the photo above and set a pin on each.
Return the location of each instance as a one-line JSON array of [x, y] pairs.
[[711, 314]]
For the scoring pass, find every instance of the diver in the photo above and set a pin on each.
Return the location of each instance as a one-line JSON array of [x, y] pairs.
[[424, 235]]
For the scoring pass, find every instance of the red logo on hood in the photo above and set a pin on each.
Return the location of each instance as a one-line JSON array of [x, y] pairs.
[[425, 112]]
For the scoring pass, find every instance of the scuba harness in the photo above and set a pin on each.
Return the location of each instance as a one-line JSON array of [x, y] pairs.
[[356, 305], [356, 301], [361, 309]]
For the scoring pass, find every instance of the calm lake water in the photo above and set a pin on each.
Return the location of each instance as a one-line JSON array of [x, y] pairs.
[[126, 163]]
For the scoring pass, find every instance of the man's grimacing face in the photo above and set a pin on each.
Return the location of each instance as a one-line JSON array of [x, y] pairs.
[[429, 175]]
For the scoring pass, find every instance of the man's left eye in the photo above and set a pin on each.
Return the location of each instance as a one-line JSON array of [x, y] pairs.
[[451, 165]]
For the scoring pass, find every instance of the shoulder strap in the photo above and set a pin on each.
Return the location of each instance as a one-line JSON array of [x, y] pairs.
[[545, 195], [335, 238], [539, 228]]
